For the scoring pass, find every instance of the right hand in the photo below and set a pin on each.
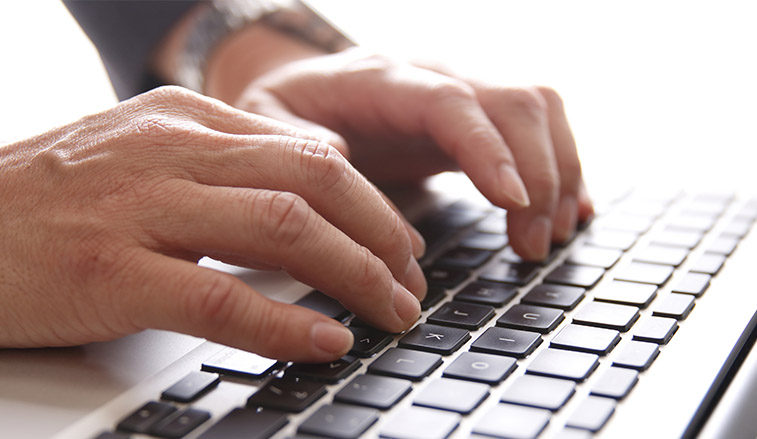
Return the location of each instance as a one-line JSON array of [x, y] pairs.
[[103, 221]]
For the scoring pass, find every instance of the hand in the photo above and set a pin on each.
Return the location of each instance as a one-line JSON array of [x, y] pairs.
[[103, 221], [397, 122]]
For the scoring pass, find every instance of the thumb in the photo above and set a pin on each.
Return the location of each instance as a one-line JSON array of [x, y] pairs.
[[180, 296]]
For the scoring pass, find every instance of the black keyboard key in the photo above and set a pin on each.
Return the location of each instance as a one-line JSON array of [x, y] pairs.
[[191, 387], [180, 424], [487, 293], [462, 315], [368, 341], [541, 392], [506, 421], [592, 413], [693, 283], [405, 363], [517, 274], [505, 341], [331, 372], [615, 383], [420, 423], [662, 255], [339, 421], [575, 275], [645, 273], [607, 315], [434, 295], [509, 255], [581, 338], [238, 363], [145, 417], [709, 263], [373, 391], [556, 363], [484, 368], [556, 296], [594, 256], [614, 239], [627, 293], [531, 318], [113, 435], [675, 305], [484, 241], [637, 355], [656, 330], [445, 277], [247, 424], [287, 394], [465, 258], [452, 395], [434, 338], [326, 305]]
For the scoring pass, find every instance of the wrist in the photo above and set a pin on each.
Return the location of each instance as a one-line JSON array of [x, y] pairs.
[[222, 45], [248, 54]]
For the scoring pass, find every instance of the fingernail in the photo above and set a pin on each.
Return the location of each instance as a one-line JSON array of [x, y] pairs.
[[406, 306], [332, 338], [566, 218], [415, 281], [539, 237], [513, 187]]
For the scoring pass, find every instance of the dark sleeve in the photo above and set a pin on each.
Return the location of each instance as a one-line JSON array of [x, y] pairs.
[[125, 33]]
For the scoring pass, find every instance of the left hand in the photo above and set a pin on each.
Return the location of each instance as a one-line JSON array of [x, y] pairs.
[[403, 122]]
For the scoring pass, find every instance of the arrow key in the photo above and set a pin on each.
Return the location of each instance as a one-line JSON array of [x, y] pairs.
[[288, 394], [332, 372], [368, 341]]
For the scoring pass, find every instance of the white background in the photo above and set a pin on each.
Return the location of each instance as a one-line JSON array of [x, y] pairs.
[[655, 91]]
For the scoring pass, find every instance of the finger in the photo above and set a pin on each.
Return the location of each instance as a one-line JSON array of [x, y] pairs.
[[520, 115], [328, 183], [569, 168], [446, 109], [262, 102], [282, 230], [419, 244], [170, 294]]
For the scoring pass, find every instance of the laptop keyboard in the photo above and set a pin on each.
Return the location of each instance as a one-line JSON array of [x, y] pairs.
[[504, 348]]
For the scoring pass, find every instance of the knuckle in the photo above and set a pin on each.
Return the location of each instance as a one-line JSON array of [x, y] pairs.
[[162, 129], [172, 93], [451, 89], [372, 274], [213, 300], [552, 97], [526, 103], [545, 183], [94, 259], [285, 218], [323, 166], [397, 242]]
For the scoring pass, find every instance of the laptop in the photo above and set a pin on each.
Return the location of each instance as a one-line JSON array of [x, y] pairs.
[[642, 325]]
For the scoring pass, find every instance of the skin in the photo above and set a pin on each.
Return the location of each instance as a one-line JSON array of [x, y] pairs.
[[104, 219]]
